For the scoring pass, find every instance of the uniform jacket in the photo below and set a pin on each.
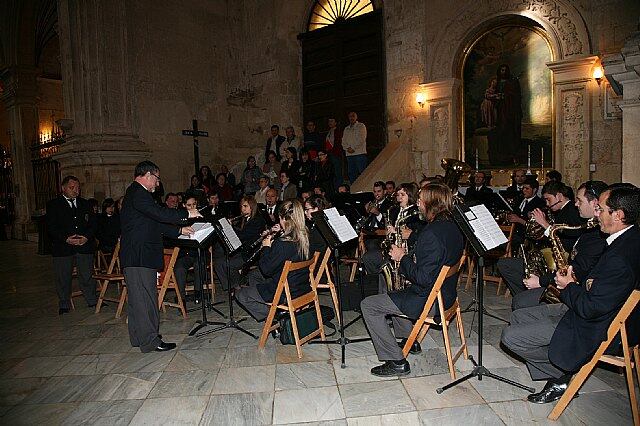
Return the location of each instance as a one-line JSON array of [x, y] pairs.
[[64, 221]]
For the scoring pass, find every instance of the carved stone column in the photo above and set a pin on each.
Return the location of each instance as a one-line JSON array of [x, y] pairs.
[[103, 146], [572, 87], [19, 97], [623, 72], [443, 135]]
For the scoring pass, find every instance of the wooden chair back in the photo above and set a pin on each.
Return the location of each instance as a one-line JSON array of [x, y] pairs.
[[324, 271]]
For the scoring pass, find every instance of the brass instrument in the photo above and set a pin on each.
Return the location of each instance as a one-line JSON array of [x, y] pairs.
[[533, 230], [551, 294], [390, 269], [253, 250], [453, 170], [534, 261]]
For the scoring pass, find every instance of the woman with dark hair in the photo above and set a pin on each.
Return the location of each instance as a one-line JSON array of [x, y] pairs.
[[313, 204], [293, 245], [325, 174], [224, 190], [250, 226], [290, 164], [250, 177], [206, 179], [108, 230], [94, 205], [271, 169], [306, 169]]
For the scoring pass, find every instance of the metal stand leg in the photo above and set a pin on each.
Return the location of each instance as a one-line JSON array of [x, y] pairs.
[[203, 322]]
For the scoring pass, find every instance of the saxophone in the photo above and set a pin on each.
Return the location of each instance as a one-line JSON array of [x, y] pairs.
[[551, 294], [390, 269]]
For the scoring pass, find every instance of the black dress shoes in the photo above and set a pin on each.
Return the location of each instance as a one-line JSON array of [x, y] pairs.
[[63, 311], [392, 368], [163, 346], [415, 348], [551, 392]]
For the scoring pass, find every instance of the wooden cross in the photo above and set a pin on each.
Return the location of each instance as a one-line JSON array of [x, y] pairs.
[[196, 145]]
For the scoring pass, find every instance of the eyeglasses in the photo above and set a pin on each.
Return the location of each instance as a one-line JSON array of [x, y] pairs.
[[155, 175]]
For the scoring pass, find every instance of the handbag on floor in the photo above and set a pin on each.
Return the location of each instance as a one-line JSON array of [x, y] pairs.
[[307, 322]]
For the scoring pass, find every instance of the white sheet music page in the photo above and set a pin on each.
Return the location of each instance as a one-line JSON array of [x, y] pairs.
[[201, 230], [485, 227], [230, 234], [340, 225]]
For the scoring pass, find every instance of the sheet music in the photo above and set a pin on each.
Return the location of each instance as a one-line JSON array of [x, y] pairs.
[[485, 227], [340, 225], [230, 234], [201, 230]]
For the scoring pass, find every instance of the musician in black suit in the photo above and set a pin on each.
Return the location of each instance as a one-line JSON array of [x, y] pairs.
[[513, 194], [529, 202], [556, 197], [214, 209], [439, 243], [378, 207], [557, 340], [72, 226], [270, 210], [479, 192], [293, 245], [584, 255], [251, 224], [188, 258], [274, 142], [143, 225]]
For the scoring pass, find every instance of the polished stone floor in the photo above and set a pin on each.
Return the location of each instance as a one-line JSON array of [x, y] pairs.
[[80, 369]]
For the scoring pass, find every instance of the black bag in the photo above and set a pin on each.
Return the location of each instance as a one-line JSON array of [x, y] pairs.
[[307, 323]]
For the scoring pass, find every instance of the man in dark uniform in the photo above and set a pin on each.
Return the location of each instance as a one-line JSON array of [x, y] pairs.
[[479, 192], [556, 197], [72, 227], [584, 255], [440, 243], [141, 253], [557, 340], [527, 204]]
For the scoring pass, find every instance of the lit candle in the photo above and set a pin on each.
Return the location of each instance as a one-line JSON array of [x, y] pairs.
[[476, 159], [542, 158], [528, 158]]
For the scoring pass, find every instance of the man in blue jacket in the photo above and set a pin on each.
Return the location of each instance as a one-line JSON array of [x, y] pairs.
[[143, 224]]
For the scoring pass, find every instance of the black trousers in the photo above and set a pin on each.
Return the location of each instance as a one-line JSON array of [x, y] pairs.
[[180, 270], [63, 270], [249, 297], [143, 312]]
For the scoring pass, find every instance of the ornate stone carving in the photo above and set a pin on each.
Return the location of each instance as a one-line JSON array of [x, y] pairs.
[[563, 24], [573, 133], [440, 118]]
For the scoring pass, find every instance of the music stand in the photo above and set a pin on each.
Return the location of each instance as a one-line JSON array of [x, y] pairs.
[[479, 227], [231, 244], [337, 231]]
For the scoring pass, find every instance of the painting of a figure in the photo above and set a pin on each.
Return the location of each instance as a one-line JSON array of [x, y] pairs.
[[507, 99]]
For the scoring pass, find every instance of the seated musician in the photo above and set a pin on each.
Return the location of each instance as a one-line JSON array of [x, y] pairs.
[[188, 258], [556, 196], [556, 340], [529, 202], [292, 245], [214, 210], [313, 204], [249, 229], [378, 207], [405, 215], [108, 230], [439, 243], [584, 255], [270, 210], [479, 192]]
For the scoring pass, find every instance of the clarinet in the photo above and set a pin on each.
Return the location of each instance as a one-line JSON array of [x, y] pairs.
[[254, 249]]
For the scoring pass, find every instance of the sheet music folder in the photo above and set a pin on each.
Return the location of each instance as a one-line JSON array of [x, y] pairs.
[[334, 227], [479, 226], [227, 235]]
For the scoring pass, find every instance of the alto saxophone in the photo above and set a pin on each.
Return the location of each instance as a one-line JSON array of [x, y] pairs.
[[390, 269], [551, 294]]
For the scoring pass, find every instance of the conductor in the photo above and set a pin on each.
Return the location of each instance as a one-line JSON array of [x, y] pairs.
[[143, 224]]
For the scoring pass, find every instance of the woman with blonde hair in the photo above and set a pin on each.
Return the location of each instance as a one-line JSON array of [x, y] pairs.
[[292, 244]]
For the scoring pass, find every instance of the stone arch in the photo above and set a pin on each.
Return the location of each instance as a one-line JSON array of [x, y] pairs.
[[566, 30]]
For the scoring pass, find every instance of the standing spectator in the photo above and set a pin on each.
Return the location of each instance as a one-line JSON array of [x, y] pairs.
[[274, 142], [224, 190], [290, 164], [290, 142], [250, 176], [108, 226], [231, 178], [272, 168], [72, 226], [306, 171], [354, 142], [206, 179], [325, 174], [261, 194], [312, 141], [333, 148]]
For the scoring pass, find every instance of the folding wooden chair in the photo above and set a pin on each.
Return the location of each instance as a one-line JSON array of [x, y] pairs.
[[424, 322], [323, 270], [494, 255], [113, 274], [353, 261], [167, 280], [626, 361], [294, 305]]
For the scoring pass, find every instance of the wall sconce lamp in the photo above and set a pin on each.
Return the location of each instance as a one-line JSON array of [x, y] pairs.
[[598, 74], [421, 99]]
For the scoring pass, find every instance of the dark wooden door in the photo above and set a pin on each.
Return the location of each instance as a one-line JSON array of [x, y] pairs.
[[342, 71]]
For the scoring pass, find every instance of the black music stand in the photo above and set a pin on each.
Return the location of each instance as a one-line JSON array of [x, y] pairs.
[[463, 216], [200, 247], [333, 240], [229, 249]]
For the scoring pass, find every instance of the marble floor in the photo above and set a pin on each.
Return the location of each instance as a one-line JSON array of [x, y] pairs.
[[80, 369]]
